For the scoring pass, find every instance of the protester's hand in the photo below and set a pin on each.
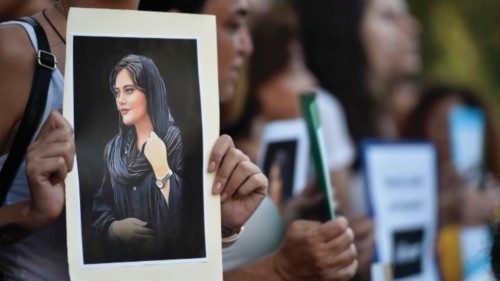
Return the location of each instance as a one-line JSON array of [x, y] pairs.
[[48, 159], [155, 151], [307, 201], [477, 204], [314, 251], [240, 182], [363, 232], [130, 230]]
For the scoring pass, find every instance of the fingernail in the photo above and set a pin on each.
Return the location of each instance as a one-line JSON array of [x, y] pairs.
[[217, 188], [223, 197], [211, 166]]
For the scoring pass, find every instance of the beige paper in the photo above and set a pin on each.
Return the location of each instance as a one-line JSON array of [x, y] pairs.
[[120, 23]]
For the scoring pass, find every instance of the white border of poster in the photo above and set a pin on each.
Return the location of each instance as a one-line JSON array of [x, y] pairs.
[[134, 24]]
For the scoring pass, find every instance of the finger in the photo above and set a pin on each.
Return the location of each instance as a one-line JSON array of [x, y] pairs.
[[243, 171], [54, 136], [346, 273], [342, 242], [231, 160], [346, 257], [221, 146], [54, 121], [55, 169], [331, 229], [362, 226], [138, 222], [143, 231], [60, 149], [256, 184]]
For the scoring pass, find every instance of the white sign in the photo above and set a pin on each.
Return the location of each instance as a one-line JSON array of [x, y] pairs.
[[401, 184]]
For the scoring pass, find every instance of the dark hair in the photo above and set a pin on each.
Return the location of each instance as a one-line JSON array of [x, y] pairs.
[[335, 54], [146, 77], [272, 34], [435, 94], [184, 6]]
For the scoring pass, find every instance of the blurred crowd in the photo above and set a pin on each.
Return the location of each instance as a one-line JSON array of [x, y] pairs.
[[362, 59]]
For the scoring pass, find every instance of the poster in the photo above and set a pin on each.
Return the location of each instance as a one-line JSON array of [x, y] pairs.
[[141, 94], [284, 158], [401, 186]]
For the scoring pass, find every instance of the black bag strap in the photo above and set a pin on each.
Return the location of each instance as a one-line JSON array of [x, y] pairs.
[[45, 64]]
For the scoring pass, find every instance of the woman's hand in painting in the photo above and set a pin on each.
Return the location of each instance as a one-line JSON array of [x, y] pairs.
[[240, 182], [48, 160], [155, 151], [315, 251], [131, 231]]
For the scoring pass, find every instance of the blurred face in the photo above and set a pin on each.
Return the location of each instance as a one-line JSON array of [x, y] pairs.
[[436, 127], [278, 98], [234, 44], [390, 37], [130, 101]]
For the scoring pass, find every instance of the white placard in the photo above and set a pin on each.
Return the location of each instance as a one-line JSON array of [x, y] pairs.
[[401, 188], [284, 153], [183, 48]]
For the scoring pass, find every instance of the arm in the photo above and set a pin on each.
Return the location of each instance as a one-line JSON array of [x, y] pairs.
[[261, 268], [48, 159], [310, 251]]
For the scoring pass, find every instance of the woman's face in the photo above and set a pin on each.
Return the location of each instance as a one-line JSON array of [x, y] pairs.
[[234, 44], [389, 35], [130, 101], [278, 98]]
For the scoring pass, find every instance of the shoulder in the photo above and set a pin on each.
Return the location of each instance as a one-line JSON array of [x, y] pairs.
[[16, 54], [16, 74]]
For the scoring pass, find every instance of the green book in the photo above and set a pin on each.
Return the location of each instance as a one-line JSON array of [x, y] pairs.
[[311, 116]]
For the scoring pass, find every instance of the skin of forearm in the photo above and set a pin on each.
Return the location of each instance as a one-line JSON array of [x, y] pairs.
[[261, 269]]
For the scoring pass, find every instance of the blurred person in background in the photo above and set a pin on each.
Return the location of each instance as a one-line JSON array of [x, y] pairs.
[[460, 203], [359, 49], [277, 76], [13, 9], [308, 250], [430, 120]]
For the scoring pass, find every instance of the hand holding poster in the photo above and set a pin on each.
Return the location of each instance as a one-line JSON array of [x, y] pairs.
[[144, 106], [401, 185]]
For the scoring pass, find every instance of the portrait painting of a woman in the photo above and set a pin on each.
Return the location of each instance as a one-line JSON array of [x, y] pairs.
[[138, 207]]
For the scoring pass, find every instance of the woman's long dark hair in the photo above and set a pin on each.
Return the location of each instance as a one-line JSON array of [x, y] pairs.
[[146, 77], [335, 54], [437, 93]]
